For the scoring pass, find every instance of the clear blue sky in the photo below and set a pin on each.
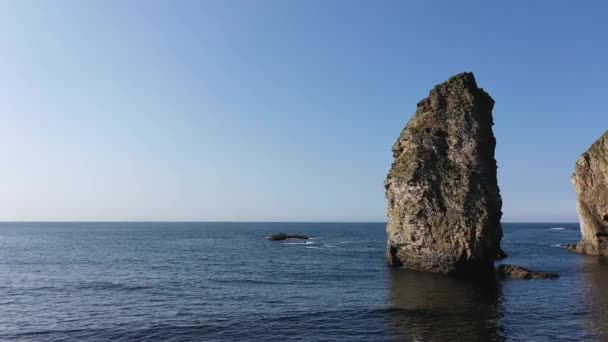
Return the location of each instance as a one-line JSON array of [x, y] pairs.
[[280, 110]]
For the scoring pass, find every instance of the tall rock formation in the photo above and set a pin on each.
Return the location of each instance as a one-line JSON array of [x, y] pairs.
[[444, 205], [590, 180]]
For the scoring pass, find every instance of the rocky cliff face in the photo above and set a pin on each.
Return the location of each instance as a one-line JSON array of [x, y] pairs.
[[590, 180], [444, 205]]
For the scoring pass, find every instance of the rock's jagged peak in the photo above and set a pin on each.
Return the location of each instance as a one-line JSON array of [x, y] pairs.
[[454, 87], [598, 151], [462, 80], [466, 79], [450, 103], [600, 146]]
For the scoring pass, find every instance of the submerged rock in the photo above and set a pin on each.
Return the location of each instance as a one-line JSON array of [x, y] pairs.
[[500, 254], [575, 247], [590, 180], [518, 272], [444, 205], [283, 236]]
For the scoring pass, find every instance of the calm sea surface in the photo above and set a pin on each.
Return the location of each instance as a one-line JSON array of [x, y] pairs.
[[226, 282]]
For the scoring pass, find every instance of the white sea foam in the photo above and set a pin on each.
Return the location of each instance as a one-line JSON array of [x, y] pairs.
[[311, 247], [300, 243], [557, 228], [557, 245]]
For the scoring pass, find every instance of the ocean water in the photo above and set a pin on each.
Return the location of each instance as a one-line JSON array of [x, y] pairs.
[[226, 282]]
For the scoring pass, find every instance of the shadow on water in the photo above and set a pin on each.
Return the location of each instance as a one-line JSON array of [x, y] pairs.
[[433, 307], [595, 275]]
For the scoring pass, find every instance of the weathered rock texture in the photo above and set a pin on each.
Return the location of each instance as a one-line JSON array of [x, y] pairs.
[[444, 205], [590, 180]]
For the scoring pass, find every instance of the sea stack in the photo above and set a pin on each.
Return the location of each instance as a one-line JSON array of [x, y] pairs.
[[590, 180], [444, 205]]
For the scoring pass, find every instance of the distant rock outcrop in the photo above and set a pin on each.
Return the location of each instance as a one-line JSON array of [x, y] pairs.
[[518, 272], [444, 205], [283, 236], [590, 180]]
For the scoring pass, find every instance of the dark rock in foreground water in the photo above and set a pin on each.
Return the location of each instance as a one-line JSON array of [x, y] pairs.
[[283, 236], [444, 205], [590, 180], [500, 254], [518, 272]]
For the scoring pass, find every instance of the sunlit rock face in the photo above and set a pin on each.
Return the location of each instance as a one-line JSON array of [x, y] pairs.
[[444, 205], [590, 180]]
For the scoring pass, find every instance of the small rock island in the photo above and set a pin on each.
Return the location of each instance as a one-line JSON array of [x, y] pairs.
[[444, 205], [283, 236], [518, 272], [590, 180]]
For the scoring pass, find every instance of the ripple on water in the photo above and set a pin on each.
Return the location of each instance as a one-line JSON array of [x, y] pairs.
[[212, 281]]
